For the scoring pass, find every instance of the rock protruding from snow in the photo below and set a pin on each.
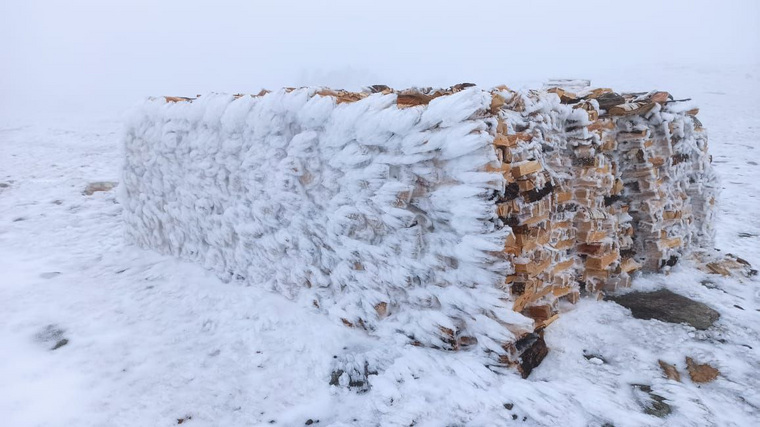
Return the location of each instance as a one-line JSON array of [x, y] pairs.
[[52, 335], [653, 403], [667, 306]]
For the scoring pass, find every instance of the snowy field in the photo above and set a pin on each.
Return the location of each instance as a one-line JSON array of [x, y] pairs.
[[153, 341]]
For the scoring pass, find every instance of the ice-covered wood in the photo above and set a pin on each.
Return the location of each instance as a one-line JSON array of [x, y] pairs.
[[458, 217]]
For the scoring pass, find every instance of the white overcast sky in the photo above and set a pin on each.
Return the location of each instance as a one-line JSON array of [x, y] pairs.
[[88, 56]]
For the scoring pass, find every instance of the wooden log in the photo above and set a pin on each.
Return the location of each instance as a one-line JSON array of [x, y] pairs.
[[497, 101], [528, 297], [631, 136], [539, 313], [669, 215], [532, 268], [629, 265], [671, 243], [413, 99], [564, 244], [177, 99], [601, 263], [563, 196], [660, 97], [599, 274], [504, 141], [592, 236], [631, 108], [532, 220], [511, 246], [547, 322], [528, 167], [562, 266]]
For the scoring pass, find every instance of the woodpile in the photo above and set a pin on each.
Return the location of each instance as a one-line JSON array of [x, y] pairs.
[[602, 185], [381, 202]]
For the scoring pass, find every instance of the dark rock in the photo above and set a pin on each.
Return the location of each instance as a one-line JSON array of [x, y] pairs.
[[60, 344], [52, 334], [309, 422], [709, 284], [670, 262], [357, 379], [668, 307], [655, 404], [509, 406], [658, 407], [532, 349]]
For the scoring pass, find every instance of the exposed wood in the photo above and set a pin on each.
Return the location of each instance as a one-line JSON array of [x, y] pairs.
[[629, 265], [381, 309], [526, 168], [701, 373], [547, 322], [177, 99], [601, 263], [670, 371], [631, 108]]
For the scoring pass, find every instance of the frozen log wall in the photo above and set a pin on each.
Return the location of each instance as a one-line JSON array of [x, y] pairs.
[[458, 217]]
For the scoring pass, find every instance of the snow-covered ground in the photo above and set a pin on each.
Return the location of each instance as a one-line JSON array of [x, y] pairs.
[[152, 340]]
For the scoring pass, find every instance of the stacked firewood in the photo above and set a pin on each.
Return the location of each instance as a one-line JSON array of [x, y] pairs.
[[401, 222], [601, 185]]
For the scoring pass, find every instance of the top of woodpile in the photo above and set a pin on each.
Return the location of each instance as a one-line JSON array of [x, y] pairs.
[[568, 91]]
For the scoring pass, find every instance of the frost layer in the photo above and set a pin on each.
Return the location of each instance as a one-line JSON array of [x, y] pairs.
[[363, 209]]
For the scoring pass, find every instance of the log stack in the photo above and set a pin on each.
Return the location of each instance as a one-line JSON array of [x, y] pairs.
[[460, 217]]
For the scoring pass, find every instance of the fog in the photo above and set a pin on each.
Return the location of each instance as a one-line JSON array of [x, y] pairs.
[[96, 58]]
